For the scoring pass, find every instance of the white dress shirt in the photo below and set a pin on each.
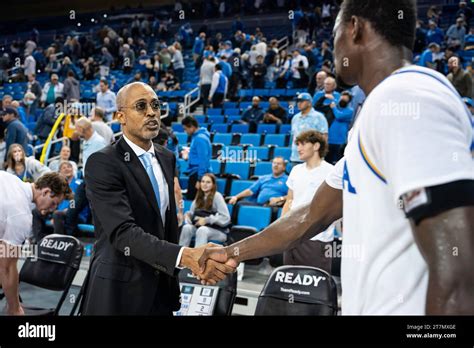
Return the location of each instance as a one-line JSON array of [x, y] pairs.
[[160, 178]]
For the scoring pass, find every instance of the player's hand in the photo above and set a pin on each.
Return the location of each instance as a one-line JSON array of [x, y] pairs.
[[209, 263]]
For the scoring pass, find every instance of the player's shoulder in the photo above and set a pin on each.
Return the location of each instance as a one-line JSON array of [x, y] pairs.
[[412, 81]]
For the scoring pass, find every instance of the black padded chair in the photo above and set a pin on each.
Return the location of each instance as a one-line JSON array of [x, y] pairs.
[[59, 259], [226, 295], [298, 290]]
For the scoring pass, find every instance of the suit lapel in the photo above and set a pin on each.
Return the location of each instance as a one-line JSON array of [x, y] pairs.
[[133, 163]]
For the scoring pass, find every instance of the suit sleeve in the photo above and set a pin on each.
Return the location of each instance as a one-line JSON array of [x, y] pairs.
[[105, 189]]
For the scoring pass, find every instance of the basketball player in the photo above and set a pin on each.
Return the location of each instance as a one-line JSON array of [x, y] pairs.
[[407, 178]]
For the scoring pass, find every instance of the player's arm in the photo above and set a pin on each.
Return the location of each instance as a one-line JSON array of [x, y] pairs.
[[296, 226], [446, 241]]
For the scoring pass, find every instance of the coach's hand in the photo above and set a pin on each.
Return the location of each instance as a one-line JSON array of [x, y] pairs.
[[210, 264]]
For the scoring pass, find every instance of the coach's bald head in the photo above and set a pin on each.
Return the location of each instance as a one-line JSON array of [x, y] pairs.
[[139, 113]]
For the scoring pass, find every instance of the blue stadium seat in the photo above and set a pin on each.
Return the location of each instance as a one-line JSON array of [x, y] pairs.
[[263, 168], [245, 105], [200, 118], [242, 169], [254, 216], [219, 127], [231, 112], [266, 128], [240, 128], [285, 129], [275, 139], [284, 152], [182, 165], [231, 119], [245, 94], [221, 184], [204, 125], [261, 153], [116, 127], [177, 127], [187, 205], [239, 186], [280, 92], [216, 167], [215, 119], [214, 112], [230, 105], [182, 138], [251, 139], [223, 138]]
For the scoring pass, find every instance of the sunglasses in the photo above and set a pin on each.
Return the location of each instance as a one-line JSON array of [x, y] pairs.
[[141, 106]]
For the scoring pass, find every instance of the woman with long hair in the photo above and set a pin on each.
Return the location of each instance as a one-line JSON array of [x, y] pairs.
[[208, 218], [26, 168]]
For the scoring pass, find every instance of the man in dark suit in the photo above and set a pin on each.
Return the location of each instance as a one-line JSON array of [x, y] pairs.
[[131, 191]]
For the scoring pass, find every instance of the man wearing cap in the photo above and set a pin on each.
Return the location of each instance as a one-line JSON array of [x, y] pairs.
[[307, 119], [16, 132]]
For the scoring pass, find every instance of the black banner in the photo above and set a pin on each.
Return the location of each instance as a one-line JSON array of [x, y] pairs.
[[288, 331]]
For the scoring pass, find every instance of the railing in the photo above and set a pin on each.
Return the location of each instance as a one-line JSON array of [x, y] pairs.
[[189, 102], [37, 148], [283, 43]]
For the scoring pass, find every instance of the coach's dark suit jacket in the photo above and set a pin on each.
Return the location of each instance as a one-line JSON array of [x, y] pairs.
[[133, 266]]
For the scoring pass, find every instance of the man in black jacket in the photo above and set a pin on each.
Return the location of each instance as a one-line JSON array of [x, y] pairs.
[[130, 188]]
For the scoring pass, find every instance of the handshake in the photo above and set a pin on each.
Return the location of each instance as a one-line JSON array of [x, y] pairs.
[[211, 263]]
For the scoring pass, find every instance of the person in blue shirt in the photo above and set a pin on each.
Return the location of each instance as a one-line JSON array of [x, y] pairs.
[[200, 153], [16, 132], [226, 67], [198, 48], [328, 94], [253, 115], [339, 129], [307, 119], [426, 58], [323, 99], [434, 34], [268, 189]]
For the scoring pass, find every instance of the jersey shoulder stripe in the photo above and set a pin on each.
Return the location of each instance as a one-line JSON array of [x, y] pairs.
[[370, 163]]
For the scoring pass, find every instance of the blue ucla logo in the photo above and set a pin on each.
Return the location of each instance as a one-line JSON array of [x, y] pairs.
[[346, 180]]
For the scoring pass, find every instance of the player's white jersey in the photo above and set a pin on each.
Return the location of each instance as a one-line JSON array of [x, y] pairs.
[[412, 132]]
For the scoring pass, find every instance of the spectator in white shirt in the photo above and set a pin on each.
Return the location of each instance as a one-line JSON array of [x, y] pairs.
[[298, 66], [303, 182]]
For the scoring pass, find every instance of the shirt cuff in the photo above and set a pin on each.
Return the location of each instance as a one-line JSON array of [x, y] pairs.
[[178, 259]]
